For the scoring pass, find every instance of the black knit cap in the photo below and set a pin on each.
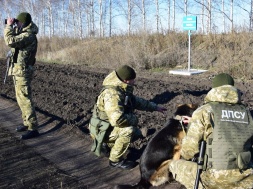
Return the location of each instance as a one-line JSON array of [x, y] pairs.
[[126, 73], [222, 79]]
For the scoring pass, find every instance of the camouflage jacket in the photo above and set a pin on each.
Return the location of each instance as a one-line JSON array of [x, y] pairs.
[[23, 46], [201, 124], [201, 127], [116, 108]]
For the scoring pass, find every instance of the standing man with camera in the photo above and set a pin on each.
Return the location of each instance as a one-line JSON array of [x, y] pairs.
[[20, 35]]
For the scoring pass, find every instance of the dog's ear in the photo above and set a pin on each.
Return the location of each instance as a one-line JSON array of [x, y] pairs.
[[179, 105], [193, 106], [186, 109]]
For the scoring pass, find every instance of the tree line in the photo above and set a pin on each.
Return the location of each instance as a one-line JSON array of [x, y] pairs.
[[106, 18]]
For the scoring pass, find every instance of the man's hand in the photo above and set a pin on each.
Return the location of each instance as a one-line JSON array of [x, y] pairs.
[[10, 21], [186, 119], [161, 109]]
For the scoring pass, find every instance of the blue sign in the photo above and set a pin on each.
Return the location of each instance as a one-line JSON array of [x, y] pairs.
[[190, 23]]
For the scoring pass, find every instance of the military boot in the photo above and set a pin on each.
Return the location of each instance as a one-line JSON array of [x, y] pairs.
[[123, 164], [30, 134], [21, 128]]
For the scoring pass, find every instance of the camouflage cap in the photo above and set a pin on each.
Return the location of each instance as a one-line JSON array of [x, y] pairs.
[[222, 79], [126, 73], [25, 18]]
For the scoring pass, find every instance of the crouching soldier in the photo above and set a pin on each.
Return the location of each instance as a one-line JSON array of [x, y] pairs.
[[113, 121], [226, 125]]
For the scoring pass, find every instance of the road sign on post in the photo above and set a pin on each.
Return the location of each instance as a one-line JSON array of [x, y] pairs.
[[190, 24]]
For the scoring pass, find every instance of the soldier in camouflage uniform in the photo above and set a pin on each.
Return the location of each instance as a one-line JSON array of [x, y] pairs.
[[116, 104], [23, 42], [202, 125]]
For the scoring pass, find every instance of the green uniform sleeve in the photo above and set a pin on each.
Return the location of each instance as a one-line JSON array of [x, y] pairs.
[[142, 104], [14, 41], [199, 127]]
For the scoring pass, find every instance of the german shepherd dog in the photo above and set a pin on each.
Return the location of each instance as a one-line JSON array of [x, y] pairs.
[[161, 149]]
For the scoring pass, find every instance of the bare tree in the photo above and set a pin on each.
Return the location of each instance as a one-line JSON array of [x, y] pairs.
[[183, 7], [143, 10], [174, 15], [65, 18], [130, 13], [68, 17], [186, 7], [90, 7], [72, 11], [28, 5], [101, 33], [124, 9], [251, 16], [110, 18], [157, 15], [209, 16], [49, 10], [206, 8], [88, 18], [80, 19], [169, 4], [232, 15], [247, 6], [43, 22], [224, 17], [203, 17], [227, 15]]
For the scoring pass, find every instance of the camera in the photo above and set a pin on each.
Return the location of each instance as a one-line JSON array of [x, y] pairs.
[[15, 21]]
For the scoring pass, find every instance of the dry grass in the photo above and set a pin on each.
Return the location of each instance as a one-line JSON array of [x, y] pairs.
[[231, 53]]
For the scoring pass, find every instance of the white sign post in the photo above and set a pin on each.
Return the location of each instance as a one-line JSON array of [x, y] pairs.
[[189, 50], [190, 24]]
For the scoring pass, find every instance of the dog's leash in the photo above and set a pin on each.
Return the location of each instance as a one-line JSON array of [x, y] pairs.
[[180, 119]]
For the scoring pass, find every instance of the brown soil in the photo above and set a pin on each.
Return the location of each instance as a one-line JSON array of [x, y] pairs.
[[64, 96]]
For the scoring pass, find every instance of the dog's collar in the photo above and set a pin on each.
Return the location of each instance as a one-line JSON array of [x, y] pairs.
[[180, 119]]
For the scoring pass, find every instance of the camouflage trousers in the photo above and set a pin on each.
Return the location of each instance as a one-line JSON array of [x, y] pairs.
[[119, 140], [24, 99], [185, 172]]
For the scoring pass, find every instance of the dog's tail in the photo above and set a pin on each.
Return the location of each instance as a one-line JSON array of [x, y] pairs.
[[143, 184]]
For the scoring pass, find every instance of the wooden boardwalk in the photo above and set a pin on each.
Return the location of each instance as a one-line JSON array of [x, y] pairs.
[[64, 147]]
